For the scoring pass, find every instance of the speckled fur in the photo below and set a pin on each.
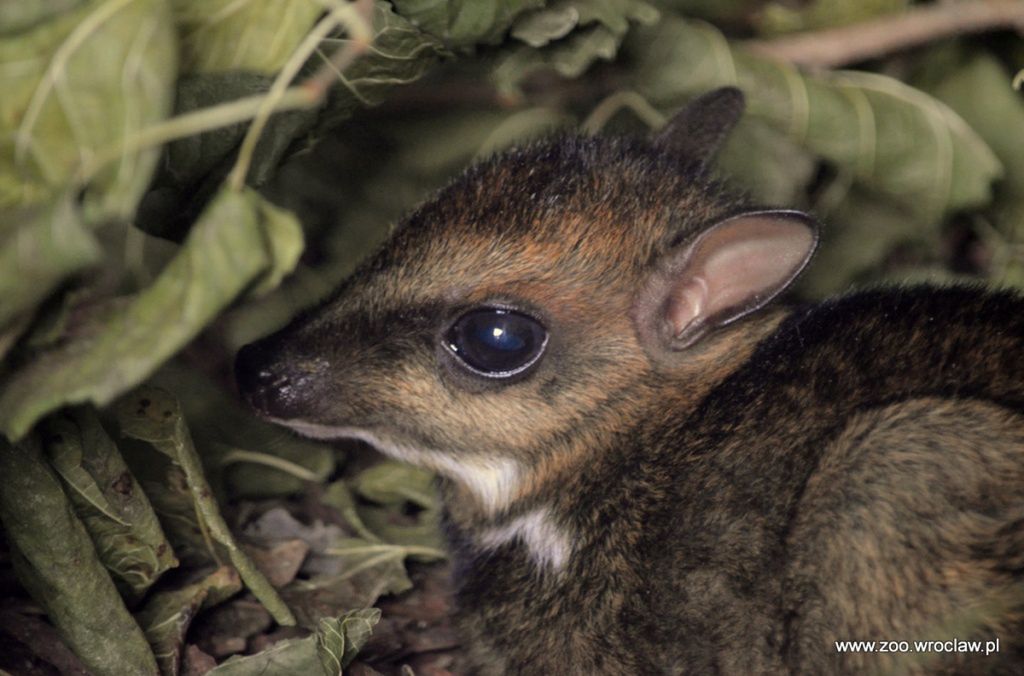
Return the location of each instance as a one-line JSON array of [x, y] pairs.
[[847, 470]]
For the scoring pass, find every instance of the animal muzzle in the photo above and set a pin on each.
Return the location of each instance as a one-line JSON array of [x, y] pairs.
[[275, 387]]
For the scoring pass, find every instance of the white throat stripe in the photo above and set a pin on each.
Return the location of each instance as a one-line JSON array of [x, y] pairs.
[[549, 545], [493, 481]]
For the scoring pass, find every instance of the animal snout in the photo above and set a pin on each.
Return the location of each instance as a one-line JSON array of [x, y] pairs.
[[271, 385]]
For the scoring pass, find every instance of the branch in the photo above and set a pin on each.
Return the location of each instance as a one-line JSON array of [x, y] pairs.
[[835, 47]]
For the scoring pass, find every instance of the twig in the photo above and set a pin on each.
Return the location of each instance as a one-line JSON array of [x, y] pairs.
[[237, 455], [612, 104], [356, 17], [188, 124], [839, 46], [307, 94]]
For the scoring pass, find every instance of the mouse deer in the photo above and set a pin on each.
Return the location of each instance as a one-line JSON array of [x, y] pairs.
[[648, 463]]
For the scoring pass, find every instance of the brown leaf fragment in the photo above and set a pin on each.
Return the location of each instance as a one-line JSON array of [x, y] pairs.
[[168, 614], [194, 662], [41, 639], [281, 562], [264, 641], [358, 668], [56, 562], [219, 628], [386, 644]]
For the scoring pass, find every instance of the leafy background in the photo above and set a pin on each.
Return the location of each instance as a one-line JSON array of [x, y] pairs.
[[148, 229]]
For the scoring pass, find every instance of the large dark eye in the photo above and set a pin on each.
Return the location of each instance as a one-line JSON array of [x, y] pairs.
[[496, 342]]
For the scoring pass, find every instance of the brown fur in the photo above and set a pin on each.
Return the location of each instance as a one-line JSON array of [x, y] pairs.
[[845, 471]]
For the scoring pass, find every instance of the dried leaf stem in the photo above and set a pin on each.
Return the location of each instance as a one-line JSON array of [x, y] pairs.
[[610, 106], [185, 454], [355, 17], [835, 47], [307, 94]]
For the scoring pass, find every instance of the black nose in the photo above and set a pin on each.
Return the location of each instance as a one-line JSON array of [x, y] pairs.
[[260, 382]]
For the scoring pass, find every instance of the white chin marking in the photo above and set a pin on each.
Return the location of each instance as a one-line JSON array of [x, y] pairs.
[[548, 544], [493, 481]]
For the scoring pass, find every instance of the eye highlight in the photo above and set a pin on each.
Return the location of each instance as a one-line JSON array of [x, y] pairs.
[[497, 342]]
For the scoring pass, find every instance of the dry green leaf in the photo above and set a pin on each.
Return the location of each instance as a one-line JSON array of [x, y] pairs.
[[284, 244], [168, 614], [540, 27], [866, 227], [772, 167], [892, 138], [17, 16], [980, 91], [348, 573], [782, 17], [246, 456], [568, 57], [464, 23], [241, 35], [79, 82], [40, 247], [339, 496], [108, 500], [602, 25], [225, 253], [55, 560], [400, 53], [332, 647], [420, 536], [154, 416], [393, 483], [339, 640], [194, 167]]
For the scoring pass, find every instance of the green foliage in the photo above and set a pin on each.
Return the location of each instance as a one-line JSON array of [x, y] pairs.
[[168, 614], [249, 36], [567, 38], [127, 260], [889, 136], [109, 501], [75, 84], [241, 241], [333, 646], [782, 17], [54, 558]]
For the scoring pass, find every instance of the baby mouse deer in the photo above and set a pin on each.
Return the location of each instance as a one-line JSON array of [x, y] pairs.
[[646, 465]]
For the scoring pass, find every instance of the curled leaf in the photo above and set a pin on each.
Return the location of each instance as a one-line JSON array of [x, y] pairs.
[[339, 640], [153, 416], [573, 33], [251, 35], [226, 252], [79, 82], [108, 500], [40, 246], [55, 560], [392, 483], [168, 614], [325, 653], [892, 138], [464, 23]]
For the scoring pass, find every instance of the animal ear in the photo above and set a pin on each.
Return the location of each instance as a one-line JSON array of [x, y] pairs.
[[698, 130], [732, 269]]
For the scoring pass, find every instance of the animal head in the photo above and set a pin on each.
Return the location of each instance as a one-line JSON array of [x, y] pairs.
[[529, 303]]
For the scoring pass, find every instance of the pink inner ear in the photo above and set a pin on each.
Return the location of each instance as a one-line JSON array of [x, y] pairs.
[[736, 267]]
